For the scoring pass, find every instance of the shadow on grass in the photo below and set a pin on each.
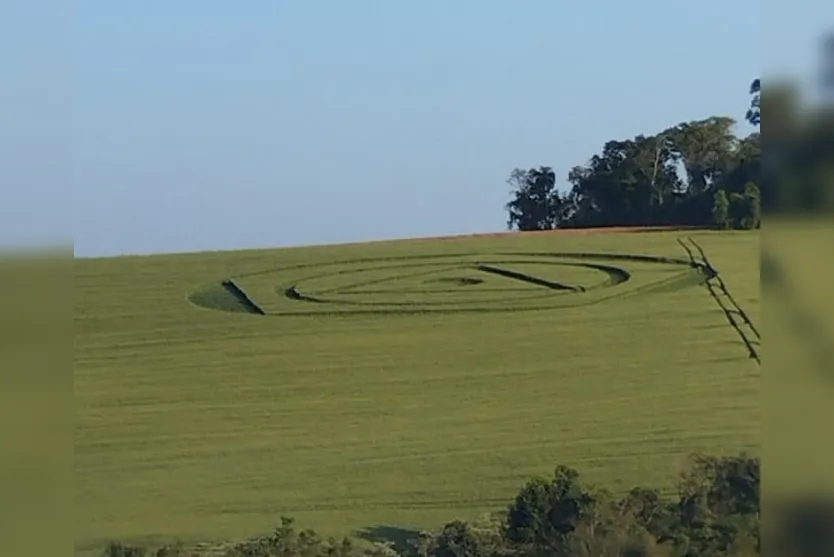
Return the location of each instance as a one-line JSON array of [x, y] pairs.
[[402, 539], [232, 287]]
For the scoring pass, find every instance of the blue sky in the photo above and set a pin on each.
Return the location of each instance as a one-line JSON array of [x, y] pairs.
[[195, 125]]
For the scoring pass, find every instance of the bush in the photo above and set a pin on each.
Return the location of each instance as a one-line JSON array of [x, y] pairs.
[[715, 513]]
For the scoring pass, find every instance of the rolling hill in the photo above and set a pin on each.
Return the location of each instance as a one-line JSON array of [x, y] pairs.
[[402, 383]]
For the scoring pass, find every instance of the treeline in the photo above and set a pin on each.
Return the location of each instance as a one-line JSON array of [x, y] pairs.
[[692, 174], [715, 512]]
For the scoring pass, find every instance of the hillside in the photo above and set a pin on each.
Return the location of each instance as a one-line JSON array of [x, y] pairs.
[[405, 383]]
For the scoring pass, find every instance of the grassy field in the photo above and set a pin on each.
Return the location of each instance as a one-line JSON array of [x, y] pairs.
[[414, 382]]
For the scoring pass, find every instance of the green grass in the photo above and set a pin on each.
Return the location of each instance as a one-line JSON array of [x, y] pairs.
[[206, 424]]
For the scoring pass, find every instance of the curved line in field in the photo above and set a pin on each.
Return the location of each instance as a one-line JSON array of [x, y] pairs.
[[477, 263], [345, 302]]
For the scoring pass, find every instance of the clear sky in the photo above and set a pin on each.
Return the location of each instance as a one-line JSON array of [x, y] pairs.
[[210, 124]]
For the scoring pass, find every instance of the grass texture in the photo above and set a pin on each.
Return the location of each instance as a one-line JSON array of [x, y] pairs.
[[398, 384]]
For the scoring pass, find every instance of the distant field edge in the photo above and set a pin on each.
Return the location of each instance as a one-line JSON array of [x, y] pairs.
[[595, 230], [574, 231]]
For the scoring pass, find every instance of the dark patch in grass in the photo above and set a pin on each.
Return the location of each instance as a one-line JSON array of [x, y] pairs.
[[459, 281], [736, 316], [403, 540], [236, 291], [403, 306], [293, 294], [616, 275], [528, 278], [219, 297]]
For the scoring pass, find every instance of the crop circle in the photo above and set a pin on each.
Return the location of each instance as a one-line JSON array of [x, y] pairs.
[[444, 283]]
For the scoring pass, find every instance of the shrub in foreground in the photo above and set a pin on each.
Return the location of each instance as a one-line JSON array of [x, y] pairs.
[[714, 513]]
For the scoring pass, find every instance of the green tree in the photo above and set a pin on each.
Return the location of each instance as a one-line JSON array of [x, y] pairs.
[[718, 505], [546, 512], [754, 113], [605, 533], [665, 179], [536, 204], [721, 210], [481, 537], [459, 539], [705, 149], [651, 511], [745, 208], [744, 165], [628, 184], [285, 541], [752, 206]]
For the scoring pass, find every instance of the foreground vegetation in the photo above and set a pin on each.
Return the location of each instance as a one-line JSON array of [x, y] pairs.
[[715, 513]]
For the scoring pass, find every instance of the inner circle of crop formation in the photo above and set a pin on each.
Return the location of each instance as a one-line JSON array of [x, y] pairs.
[[447, 283]]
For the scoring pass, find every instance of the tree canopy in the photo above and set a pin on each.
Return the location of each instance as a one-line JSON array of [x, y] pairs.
[[674, 177]]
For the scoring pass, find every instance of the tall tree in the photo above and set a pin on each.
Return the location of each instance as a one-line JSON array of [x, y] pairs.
[[624, 184], [670, 178], [546, 513], [746, 207], [721, 209], [745, 164], [704, 148], [754, 113], [536, 203]]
